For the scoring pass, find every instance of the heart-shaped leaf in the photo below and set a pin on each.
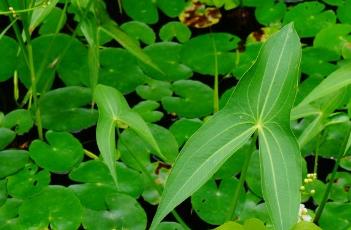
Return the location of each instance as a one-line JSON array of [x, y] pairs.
[[261, 103], [139, 31], [21, 120], [60, 155], [155, 90], [147, 110], [175, 30]]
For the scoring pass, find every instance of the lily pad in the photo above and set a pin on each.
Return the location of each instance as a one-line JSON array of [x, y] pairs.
[[139, 31], [12, 161], [177, 30], [210, 52], [9, 210], [55, 206], [63, 109], [147, 110], [120, 70], [20, 119], [8, 58], [270, 12], [154, 90], [62, 153], [183, 128], [141, 10], [212, 202], [171, 8], [123, 212], [6, 137], [27, 182], [309, 18], [195, 99], [343, 12], [166, 56]]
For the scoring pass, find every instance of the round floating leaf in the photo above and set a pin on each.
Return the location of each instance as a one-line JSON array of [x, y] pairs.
[[141, 10], [212, 202], [95, 171], [166, 56], [120, 69], [62, 153], [309, 18], [336, 216], [12, 161], [333, 37], [59, 51], [316, 61], [169, 226], [61, 109], [155, 90], [171, 8], [146, 109], [9, 210], [6, 137], [8, 58], [177, 30], [343, 12], [123, 213], [269, 12], [92, 196], [27, 182], [56, 206], [139, 31], [206, 53], [195, 99], [19, 119], [183, 128]]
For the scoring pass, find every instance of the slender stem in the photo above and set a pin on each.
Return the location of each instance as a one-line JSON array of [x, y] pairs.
[[152, 181], [90, 154], [234, 202], [215, 84], [315, 167]]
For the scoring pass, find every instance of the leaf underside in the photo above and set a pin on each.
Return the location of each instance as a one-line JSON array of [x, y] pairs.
[[261, 103]]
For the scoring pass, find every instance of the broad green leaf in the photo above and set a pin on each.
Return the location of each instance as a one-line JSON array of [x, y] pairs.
[[120, 70], [154, 90], [310, 18], [147, 110], [12, 161], [261, 103], [56, 206], [8, 63], [210, 53], [53, 22], [128, 43], [183, 128], [230, 225], [303, 225], [269, 12], [175, 30], [316, 61], [141, 10], [6, 137], [195, 99], [139, 31], [333, 83], [329, 218], [343, 12], [20, 120], [171, 8], [62, 152], [9, 210], [114, 111], [63, 109], [40, 13]]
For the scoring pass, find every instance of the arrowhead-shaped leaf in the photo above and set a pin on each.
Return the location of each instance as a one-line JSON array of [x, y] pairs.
[[261, 103]]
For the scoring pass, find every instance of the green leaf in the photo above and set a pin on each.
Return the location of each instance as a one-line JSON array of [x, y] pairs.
[[210, 53], [62, 153], [40, 13], [3, 192], [177, 30], [21, 120], [120, 70], [56, 206], [169, 226], [184, 128], [195, 99], [147, 110], [12, 161], [270, 13], [114, 111], [166, 56], [210, 202], [260, 103], [139, 31], [334, 37], [6, 137], [9, 210], [141, 10], [27, 182], [329, 218], [155, 90], [171, 8], [309, 18], [123, 213], [62, 109], [343, 12], [8, 58], [53, 22], [230, 225], [303, 225], [253, 176]]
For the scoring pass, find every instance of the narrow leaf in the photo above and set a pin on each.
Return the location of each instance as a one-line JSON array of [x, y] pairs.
[[261, 102]]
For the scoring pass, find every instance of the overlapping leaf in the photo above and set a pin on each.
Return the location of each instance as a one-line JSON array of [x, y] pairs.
[[261, 103]]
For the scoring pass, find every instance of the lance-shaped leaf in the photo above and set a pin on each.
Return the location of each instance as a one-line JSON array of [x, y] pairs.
[[261, 103], [114, 111]]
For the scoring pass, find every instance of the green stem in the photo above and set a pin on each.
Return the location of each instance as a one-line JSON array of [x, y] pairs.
[[234, 202], [90, 154], [315, 166], [216, 80], [152, 181]]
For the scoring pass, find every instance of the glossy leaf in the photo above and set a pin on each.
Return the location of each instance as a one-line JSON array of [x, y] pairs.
[[147, 110], [6, 137], [40, 13], [184, 128], [260, 103], [20, 120], [141, 10], [8, 47], [175, 30], [154, 90], [139, 31], [12, 161], [114, 111]]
